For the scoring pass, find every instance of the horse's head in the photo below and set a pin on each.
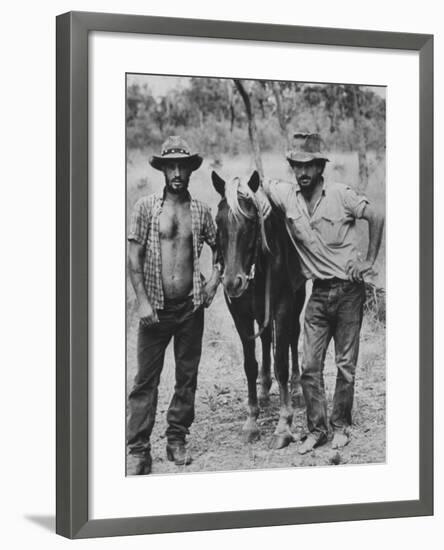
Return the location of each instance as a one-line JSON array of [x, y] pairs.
[[238, 231]]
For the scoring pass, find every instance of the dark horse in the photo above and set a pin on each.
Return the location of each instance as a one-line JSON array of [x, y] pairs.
[[263, 282]]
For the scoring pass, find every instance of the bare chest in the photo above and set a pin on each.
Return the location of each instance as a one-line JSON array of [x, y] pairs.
[[175, 223]]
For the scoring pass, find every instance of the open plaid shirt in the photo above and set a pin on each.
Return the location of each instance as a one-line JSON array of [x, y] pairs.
[[144, 229]]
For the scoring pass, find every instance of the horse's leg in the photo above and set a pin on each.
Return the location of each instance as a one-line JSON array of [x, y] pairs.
[[282, 435], [244, 323], [250, 429], [295, 381], [264, 392]]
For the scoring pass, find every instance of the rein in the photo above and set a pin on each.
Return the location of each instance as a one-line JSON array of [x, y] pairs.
[[267, 303], [251, 276]]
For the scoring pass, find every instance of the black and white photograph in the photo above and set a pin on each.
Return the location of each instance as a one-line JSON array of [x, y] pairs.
[[221, 284], [255, 274]]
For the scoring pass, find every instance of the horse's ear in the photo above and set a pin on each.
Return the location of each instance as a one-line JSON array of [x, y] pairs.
[[254, 181], [218, 183]]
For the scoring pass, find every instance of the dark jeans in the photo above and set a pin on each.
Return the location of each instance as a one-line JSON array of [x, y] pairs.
[[334, 310], [178, 320]]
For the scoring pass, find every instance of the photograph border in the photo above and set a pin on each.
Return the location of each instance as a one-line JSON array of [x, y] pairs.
[[72, 275]]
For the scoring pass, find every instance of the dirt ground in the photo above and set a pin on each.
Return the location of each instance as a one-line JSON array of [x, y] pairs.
[[215, 441]]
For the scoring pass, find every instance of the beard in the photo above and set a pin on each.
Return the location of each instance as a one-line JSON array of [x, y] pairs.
[[307, 181], [177, 187]]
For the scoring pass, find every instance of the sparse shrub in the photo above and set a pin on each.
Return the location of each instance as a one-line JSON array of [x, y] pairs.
[[375, 303]]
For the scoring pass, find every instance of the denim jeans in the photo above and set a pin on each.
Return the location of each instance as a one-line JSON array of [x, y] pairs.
[[334, 310], [176, 320]]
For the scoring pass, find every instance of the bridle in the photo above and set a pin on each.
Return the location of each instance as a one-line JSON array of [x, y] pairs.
[[252, 274], [251, 277], [257, 243]]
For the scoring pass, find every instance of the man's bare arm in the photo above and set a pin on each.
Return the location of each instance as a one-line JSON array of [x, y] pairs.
[[213, 281], [147, 314], [375, 218]]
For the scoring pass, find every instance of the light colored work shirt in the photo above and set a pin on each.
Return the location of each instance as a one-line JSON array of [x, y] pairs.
[[327, 239]]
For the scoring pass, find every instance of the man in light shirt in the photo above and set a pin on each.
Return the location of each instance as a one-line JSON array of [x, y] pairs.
[[320, 217]]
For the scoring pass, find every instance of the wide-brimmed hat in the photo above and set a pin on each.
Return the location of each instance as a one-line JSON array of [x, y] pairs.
[[305, 148], [175, 148]]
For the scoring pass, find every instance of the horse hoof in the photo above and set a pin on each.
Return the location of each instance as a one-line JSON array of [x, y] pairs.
[[280, 441], [250, 436]]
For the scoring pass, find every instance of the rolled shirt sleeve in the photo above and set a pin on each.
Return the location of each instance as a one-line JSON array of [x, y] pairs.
[[354, 204], [209, 229], [139, 223]]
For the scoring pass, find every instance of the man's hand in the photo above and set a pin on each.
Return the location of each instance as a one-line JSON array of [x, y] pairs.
[[263, 202], [209, 291], [147, 315], [358, 268]]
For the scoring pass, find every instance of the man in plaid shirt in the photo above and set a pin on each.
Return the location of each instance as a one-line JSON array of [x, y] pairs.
[[165, 240]]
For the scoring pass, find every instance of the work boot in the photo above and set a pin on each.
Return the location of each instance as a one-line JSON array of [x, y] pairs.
[[141, 464], [177, 453]]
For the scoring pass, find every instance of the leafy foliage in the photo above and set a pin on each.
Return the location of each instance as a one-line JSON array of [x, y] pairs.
[[210, 113]]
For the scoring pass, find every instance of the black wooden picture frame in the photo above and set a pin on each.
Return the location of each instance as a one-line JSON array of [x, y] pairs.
[[72, 516]]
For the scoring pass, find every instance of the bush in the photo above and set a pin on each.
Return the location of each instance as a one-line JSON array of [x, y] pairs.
[[375, 304]]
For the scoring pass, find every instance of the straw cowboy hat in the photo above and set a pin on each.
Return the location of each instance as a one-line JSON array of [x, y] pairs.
[[175, 148], [306, 147]]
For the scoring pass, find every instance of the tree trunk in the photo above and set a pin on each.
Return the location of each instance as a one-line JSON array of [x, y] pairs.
[[231, 104], [252, 129], [360, 137], [280, 112]]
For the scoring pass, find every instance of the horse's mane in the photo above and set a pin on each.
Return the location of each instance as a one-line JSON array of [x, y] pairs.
[[237, 188], [233, 189]]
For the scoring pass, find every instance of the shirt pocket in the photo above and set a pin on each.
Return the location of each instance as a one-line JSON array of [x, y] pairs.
[[301, 229], [332, 230]]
